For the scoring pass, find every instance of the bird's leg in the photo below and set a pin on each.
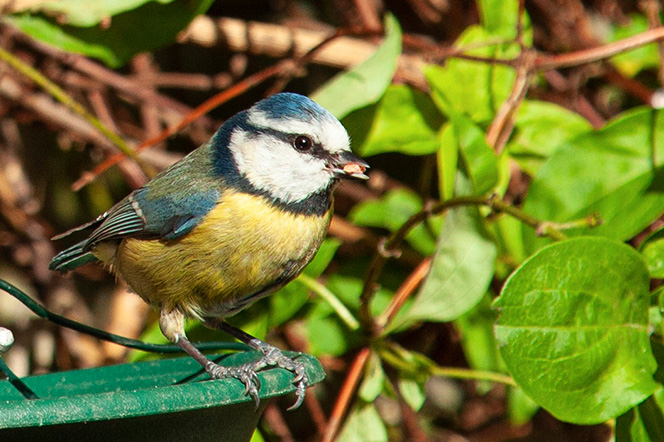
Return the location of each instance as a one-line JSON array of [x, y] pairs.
[[172, 326], [272, 356]]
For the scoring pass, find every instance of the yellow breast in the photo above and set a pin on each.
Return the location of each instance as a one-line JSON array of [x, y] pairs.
[[243, 246]]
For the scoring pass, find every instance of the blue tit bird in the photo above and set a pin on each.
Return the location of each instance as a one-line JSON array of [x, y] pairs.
[[233, 221]]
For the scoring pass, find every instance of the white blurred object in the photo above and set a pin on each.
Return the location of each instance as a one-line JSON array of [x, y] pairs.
[[6, 339]]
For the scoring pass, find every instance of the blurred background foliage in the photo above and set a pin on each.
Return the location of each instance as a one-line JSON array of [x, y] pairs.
[[506, 137]]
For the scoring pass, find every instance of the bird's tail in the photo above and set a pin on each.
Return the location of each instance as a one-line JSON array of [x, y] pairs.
[[71, 258]]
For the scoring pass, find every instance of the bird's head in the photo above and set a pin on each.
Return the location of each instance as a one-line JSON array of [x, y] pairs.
[[290, 148]]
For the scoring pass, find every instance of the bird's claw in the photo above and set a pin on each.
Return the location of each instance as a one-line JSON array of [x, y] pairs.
[[246, 373], [301, 380]]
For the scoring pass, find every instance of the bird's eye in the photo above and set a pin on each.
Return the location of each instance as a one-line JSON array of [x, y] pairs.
[[303, 143]]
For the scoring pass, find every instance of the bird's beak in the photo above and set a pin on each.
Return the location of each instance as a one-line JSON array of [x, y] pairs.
[[348, 165]]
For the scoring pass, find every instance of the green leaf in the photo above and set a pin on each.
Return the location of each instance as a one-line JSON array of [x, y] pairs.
[[609, 172], [391, 211], [508, 232], [480, 160], [474, 89], [86, 13], [643, 423], [412, 393], [500, 18], [650, 412], [404, 120], [540, 129], [460, 273], [520, 408], [363, 424], [327, 335], [629, 427], [652, 249], [448, 158], [257, 436], [477, 339], [144, 28], [365, 83], [632, 62], [374, 379], [573, 329]]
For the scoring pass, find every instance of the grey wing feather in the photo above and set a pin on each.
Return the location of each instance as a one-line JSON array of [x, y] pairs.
[[122, 221]]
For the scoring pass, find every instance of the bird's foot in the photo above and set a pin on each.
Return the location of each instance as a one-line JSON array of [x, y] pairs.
[[245, 373], [272, 356]]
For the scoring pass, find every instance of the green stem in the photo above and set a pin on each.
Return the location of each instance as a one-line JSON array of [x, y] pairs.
[[42, 312], [477, 375], [56, 92], [432, 369], [329, 297], [389, 247]]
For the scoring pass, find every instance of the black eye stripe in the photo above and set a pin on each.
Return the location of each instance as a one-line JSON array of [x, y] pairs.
[[316, 151]]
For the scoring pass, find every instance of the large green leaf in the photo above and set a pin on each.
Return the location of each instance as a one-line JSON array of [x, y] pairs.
[[365, 83], [540, 129], [404, 120], [612, 172], [147, 27], [474, 89], [573, 329], [460, 273]]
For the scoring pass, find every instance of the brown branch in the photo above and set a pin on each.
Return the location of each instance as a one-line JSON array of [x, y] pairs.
[[403, 293], [278, 423], [286, 41], [585, 56], [346, 394], [204, 108], [127, 85], [368, 14], [503, 123]]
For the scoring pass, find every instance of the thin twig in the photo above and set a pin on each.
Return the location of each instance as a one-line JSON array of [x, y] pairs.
[[316, 412], [403, 293], [204, 108], [585, 56], [122, 83], [277, 423], [346, 394], [390, 247], [56, 92], [503, 123]]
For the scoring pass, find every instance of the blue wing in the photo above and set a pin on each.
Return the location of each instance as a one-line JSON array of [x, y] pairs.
[[168, 217], [168, 207]]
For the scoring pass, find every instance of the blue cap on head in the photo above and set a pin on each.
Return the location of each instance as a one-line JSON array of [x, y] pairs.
[[288, 105]]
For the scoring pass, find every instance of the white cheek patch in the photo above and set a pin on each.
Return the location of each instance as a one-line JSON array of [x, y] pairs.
[[273, 166]]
